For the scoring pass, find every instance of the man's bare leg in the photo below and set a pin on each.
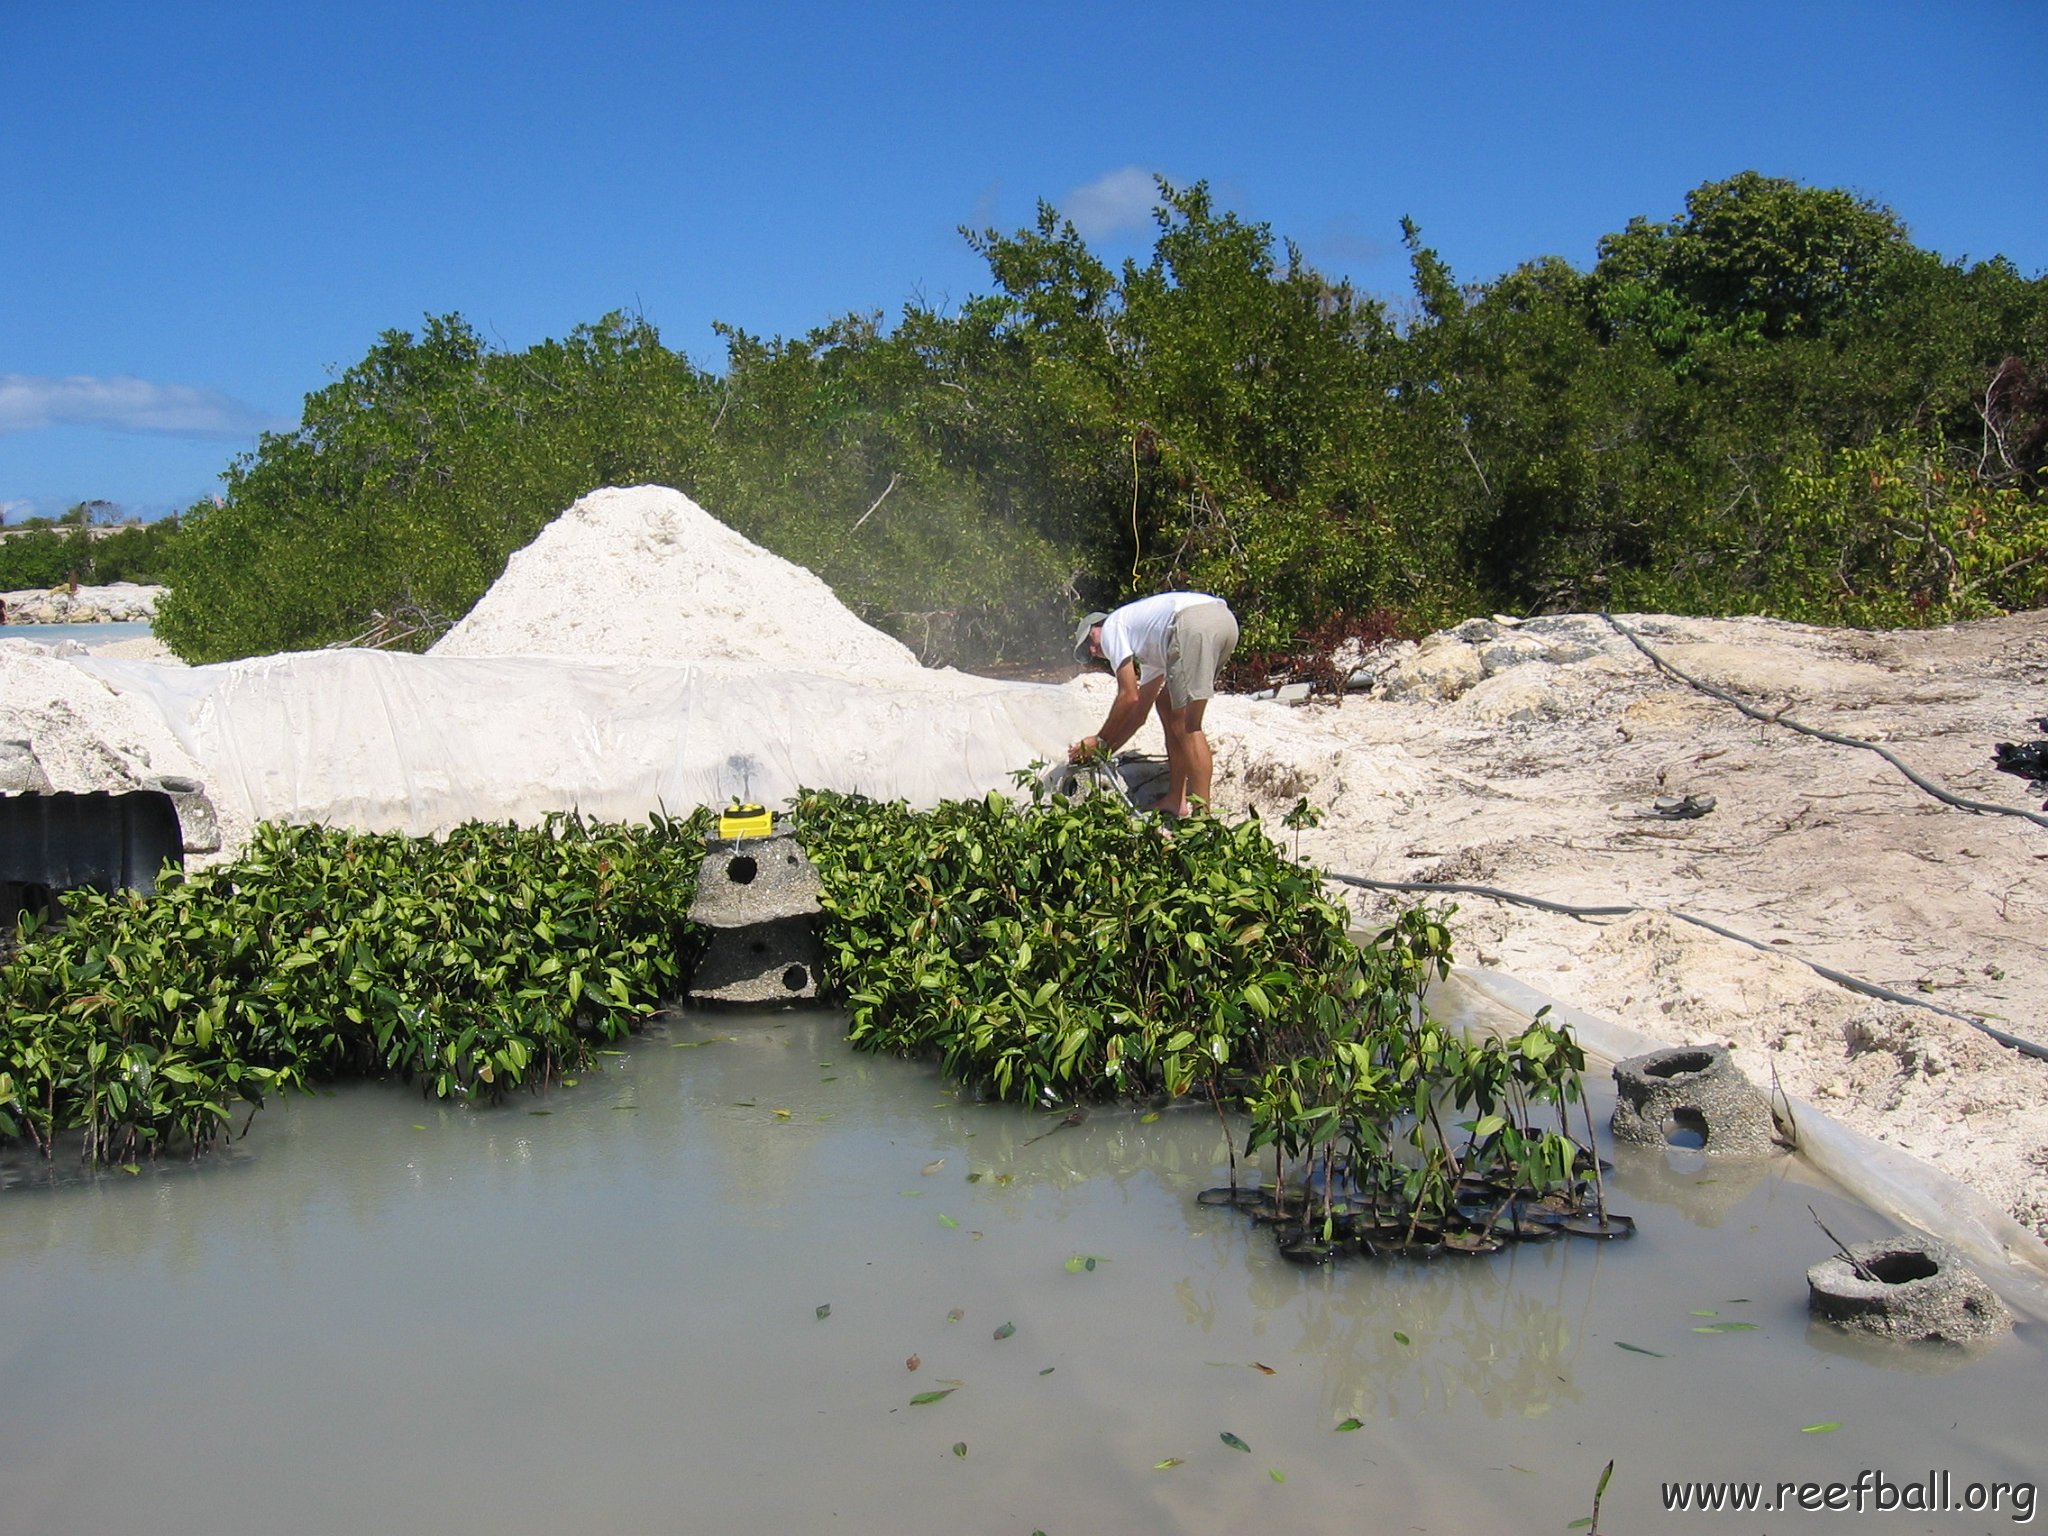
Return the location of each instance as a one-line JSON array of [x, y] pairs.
[[1173, 722], [1201, 764]]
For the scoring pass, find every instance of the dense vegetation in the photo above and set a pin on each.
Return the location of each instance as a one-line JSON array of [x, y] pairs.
[[492, 959], [80, 546], [1067, 951], [1773, 401]]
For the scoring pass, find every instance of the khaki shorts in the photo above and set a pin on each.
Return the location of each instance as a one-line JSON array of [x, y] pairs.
[[1198, 643]]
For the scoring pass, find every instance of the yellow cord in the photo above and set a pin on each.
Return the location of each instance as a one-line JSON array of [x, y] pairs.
[[1134, 511]]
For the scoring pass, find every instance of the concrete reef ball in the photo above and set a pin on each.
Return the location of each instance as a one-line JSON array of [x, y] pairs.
[[1911, 1289], [759, 898], [1686, 1093]]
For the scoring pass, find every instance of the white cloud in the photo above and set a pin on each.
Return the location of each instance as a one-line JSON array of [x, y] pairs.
[[1114, 204], [124, 404]]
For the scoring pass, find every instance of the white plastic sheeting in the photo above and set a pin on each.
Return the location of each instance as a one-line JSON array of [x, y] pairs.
[[392, 742], [1894, 1183]]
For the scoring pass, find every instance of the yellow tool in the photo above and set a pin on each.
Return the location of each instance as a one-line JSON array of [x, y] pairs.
[[745, 820]]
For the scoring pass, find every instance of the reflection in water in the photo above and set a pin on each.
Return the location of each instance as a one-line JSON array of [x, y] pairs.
[[376, 1295]]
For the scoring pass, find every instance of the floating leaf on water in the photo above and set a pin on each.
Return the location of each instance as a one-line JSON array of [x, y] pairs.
[[782, 1114], [626, 1109], [1089, 1262], [1821, 1429], [1171, 1461], [974, 1178], [1276, 1474], [1047, 1371], [1703, 1312], [932, 1397], [418, 1127], [822, 1118], [1580, 1524], [1074, 1265], [833, 1079], [570, 1082], [1006, 1330], [913, 1362], [137, 1167], [947, 1221], [956, 1314], [1348, 1425], [1400, 1337], [959, 1447], [1233, 1442], [1637, 1349], [948, 1381], [825, 1311], [1148, 1119], [1264, 1370], [977, 1236], [932, 1167], [1727, 1328]]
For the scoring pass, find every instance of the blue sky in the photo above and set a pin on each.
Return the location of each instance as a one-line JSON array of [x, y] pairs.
[[212, 206]]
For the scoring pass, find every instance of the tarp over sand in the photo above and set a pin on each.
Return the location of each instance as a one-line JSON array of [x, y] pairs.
[[391, 742]]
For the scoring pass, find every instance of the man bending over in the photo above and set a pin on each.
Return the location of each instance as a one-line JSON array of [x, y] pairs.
[[1166, 650]]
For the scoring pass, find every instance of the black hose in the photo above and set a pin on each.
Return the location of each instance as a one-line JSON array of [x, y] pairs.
[[1839, 978], [1982, 807]]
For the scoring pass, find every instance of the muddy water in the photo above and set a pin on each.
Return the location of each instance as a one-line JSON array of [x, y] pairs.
[[600, 1312]]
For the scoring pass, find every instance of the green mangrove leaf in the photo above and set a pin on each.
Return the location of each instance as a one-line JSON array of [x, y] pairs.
[[1233, 1442], [824, 1311], [1171, 1461], [932, 1397], [1637, 1349], [1827, 1428], [1348, 1425], [1006, 1330]]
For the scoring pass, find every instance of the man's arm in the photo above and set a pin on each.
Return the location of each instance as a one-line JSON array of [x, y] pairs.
[[1126, 713]]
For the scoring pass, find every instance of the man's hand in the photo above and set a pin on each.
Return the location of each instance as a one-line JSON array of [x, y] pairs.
[[1085, 748]]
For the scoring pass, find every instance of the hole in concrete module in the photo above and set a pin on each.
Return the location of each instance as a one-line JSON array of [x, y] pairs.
[[1686, 1127], [794, 978], [1678, 1064], [757, 947], [1898, 1268], [741, 869]]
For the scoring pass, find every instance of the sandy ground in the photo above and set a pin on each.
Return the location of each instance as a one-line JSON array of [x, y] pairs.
[[1529, 758]]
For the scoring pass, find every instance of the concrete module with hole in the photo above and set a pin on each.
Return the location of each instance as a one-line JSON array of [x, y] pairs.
[[1909, 1288], [1690, 1095], [759, 898]]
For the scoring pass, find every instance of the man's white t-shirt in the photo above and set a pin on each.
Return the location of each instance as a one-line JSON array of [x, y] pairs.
[[1141, 629]]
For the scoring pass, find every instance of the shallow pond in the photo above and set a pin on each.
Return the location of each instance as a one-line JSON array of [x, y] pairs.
[[603, 1311], [90, 634]]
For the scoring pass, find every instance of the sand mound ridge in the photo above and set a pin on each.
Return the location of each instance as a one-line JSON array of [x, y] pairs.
[[643, 571]]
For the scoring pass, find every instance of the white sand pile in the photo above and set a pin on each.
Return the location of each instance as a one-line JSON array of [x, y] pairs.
[[646, 572]]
